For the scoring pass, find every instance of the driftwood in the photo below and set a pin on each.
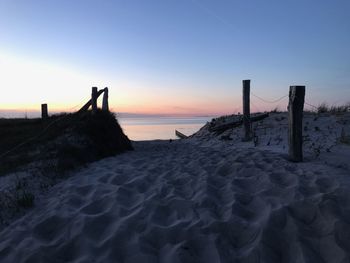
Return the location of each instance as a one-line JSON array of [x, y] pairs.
[[224, 127], [180, 135], [88, 104]]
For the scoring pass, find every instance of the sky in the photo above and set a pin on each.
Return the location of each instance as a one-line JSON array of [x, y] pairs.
[[179, 57]]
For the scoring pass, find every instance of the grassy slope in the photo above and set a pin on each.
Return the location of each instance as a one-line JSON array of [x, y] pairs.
[[60, 137]]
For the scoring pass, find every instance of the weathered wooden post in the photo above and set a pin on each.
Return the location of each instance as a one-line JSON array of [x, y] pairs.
[[295, 131], [246, 110], [44, 111], [105, 106], [94, 99]]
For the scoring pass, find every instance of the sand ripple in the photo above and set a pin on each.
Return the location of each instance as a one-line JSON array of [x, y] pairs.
[[179, 202]]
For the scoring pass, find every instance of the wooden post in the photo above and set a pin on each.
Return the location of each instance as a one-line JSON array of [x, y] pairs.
[[105, 106], [246, 110], [295, 131], [94, 99], [44, 111]]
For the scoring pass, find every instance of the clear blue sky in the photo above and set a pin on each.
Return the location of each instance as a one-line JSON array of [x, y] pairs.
[[183, 55]]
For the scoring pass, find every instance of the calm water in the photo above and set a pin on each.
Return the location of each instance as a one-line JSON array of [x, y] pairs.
[[151, 128], [140, 128]]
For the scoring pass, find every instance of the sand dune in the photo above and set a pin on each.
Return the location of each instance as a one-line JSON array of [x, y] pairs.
[[184, 202]]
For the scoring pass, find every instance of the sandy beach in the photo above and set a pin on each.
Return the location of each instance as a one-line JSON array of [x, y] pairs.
[[194, 131], [193, 200]]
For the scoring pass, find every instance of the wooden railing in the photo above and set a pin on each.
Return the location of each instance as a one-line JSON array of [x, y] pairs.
[[95, 94]]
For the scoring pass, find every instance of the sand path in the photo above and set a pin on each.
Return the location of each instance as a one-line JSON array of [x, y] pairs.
[[180, 202]]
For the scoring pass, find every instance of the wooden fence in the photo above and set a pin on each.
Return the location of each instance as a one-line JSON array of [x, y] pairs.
[[295, 119], [95, 94], [295, 109]]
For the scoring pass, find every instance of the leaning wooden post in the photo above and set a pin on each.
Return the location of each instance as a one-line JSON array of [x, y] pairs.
[[94, 99], [295, 131], [105, 106], [44, 111], [246, 110]]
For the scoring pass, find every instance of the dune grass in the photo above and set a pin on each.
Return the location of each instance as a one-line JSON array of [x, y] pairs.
[[325, 108], [72, 139]]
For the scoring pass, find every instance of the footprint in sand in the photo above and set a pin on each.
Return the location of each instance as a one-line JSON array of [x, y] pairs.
[[252, 185], [326, 185], [342, 235], [119, 179], [283, 179], [50, 228], [97, 228], [128, 198], [240, 235], [104, 179], [74, 201], [96, 207], [84, 190], [250, 208]]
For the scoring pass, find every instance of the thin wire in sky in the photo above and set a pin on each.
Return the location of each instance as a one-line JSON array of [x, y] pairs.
[[211, 13], [269, 101]]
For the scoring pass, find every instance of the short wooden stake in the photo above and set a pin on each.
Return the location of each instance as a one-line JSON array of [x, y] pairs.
[[105, 106], [94, 99], [295, 131], [246, 110], [44, 111]]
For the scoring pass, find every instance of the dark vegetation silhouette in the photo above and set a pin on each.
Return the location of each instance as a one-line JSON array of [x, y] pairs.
[[70, 139]]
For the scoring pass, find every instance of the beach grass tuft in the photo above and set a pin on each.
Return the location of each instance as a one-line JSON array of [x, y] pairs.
[[325, 108]]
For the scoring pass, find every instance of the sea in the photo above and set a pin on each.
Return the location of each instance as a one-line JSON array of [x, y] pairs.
[[140, 128], [162, 128]]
